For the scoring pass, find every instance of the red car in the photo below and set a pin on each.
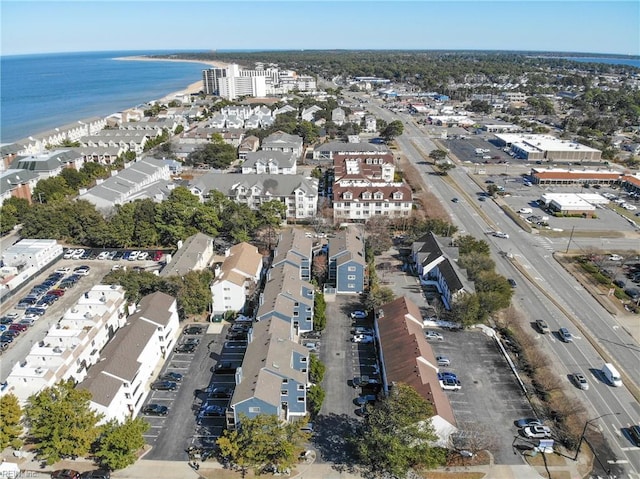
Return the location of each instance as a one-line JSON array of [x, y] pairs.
[[157, 256], [65, 474], [56, 292], [18, 327]]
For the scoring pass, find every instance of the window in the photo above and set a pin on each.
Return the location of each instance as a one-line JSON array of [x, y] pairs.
[[378, 196], [300, 387], [255, 409], [301, 399], [303, 370], [303, 360], [351, 277], [347, 195], [284, 392], [285, 381], [351, 268], [226, 289], [351, 286]]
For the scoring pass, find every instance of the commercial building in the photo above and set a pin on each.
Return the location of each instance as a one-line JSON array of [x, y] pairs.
[[568, 204], [563, 176], [547, 148]]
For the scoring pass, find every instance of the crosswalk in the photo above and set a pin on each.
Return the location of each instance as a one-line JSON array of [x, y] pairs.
[[544, 242]]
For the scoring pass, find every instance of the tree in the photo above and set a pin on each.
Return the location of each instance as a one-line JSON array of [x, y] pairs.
[[444, 167], [61, 423], [319, 311], [118, 443], [216, 154], [261, 441], [492, 190], [437, 155], [377, 296], [272, 213], [466, 309], [315, 398], [193, 293], [10, 427], [52, 190], [316, 369], [392, 130], [396, 434], [480, 106]]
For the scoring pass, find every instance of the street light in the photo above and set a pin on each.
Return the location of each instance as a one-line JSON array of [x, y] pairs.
[[586, 424]]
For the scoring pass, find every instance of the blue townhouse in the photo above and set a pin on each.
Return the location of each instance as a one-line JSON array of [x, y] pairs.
[[347, 264]]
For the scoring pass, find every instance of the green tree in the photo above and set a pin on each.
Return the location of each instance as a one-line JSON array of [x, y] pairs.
[[52, 190], [315, 398], [392, 130], [319, 312], [216, 154], [396, 434], [466, 310], [118, 443], [444, 167], [467, 244], [316, 369], [60, 421], [74, 178], [272, 213], [263, 440], [193, 293], [377, 296], [10, 426], [437, 155], [480, 106]]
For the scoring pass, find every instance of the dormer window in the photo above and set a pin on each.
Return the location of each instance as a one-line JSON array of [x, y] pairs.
[[378, 195], [366, 195], [397, 195], [347, 195]]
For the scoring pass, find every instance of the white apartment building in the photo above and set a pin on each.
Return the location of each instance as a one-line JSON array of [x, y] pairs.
[[120, 381], [24, 259], [236, 278], [72, 345]]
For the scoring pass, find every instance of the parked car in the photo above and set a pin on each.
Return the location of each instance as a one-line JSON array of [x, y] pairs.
[[56, 292], [164, 386], [362, 330], [17, 327], [312, 335], [143, 256], [63, 271], [213, 410], [537, 432], [157, 256], [565, 335], [133, 256], [192, 330], [184, 348], [363, 381], [6, 320], [77, 254], [450, 384], [366, 399], [155, 410], [580, 381], [103, 255], [443, 361], [225, 368], [97, 474], [362, 338], [434, 335], [65, 474], [615, 257], [527, 421], [447, 375], [82, 270], [358, 315], [219, 392], [634, 434], [171, 376]]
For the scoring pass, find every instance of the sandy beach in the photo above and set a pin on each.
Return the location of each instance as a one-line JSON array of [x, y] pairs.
[[192, 88]]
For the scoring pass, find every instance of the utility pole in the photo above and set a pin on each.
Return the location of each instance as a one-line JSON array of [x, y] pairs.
[[570, 238]]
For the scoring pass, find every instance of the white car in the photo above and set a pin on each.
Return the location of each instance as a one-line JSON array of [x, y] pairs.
[[103, 255], [615, 257], [362, 338], [82, 271], [63, 271], [359, 315], [450, 384], [143, 255], [537, 432], [68, 254], [500, 234], [134, 255], [443, 361], [433, 335], [77, 254]]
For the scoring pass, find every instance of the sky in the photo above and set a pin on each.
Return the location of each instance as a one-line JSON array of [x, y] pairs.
[[107, 25]]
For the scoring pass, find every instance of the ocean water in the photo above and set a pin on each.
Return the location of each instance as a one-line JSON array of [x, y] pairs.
[[633, 62], [42, 92]]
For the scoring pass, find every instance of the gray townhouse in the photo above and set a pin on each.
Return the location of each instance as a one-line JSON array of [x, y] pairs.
[[273, 377], [287, 297], [298, 193], [295, 247], [280, 141], [50, 163], [272, 162], [347, 264], [435, 262]]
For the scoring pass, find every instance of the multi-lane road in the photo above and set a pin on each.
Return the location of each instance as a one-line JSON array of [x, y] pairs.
[[546, 291]]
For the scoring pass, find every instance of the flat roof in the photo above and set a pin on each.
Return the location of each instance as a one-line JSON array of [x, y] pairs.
[[542, 143]]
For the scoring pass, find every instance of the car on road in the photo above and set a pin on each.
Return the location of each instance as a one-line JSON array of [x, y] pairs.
[[219, 392], [482, 198], [565, 335], [580, 381], [542, 326], [537, 432], [171, 376], [455, 200], [512, 282], [184, 348], [450, 384], [65, 474], [155, 410], [193, 330], [527, 421], [433, 335], [164, 386], [634, 434], [443, 361], [500, 234], [358, 315]]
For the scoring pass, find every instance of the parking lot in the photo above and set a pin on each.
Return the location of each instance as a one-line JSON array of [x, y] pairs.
[[490, 399], [197, 408]]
